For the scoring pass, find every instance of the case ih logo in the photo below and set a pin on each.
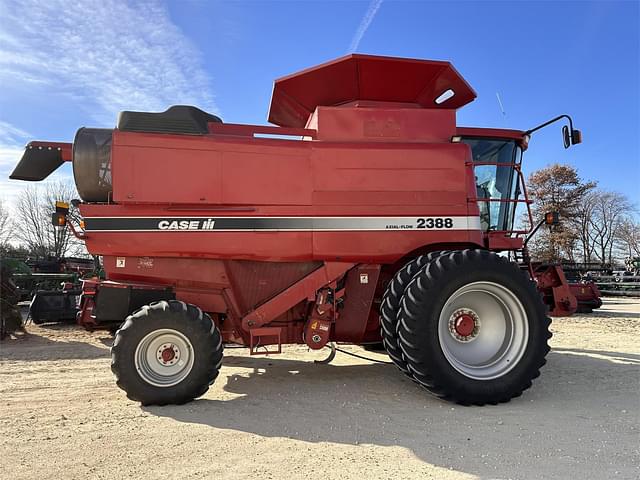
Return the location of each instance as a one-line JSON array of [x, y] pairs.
[[207, 224]]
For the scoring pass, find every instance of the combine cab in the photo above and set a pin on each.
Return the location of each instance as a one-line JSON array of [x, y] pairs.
[[367, 216]]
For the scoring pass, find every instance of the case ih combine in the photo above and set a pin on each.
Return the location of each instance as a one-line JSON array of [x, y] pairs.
[[374, 218]]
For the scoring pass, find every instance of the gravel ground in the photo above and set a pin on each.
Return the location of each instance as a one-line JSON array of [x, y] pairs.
[[61, 415]]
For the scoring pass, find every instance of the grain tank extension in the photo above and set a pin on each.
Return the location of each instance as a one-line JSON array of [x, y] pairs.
[[365, 215]]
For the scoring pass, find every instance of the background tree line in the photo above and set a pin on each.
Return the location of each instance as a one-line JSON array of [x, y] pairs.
[[26, 230], [597, 225]]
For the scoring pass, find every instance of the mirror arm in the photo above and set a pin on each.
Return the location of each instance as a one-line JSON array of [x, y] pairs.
[[532, 233], [535, 129], [555, 220]]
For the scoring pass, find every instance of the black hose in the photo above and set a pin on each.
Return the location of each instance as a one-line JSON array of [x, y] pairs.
[[361, 356], [230, 345]]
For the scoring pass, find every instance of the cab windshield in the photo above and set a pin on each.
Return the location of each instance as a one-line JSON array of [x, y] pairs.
[[495, 182]]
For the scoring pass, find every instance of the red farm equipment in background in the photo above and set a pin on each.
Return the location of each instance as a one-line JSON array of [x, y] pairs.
[[565, 297], [367, 216]]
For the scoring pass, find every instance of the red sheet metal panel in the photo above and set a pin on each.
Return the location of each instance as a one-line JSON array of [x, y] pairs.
[[383, 124], [304, 288], [428, 174], [206, 170], [266, 178], [255, 282], [158, 168], [360, 287]]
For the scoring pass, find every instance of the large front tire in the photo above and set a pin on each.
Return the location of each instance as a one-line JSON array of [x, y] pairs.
[[473, 328], [168, 352]]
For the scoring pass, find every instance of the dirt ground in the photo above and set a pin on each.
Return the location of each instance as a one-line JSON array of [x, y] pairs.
[[61, 415]]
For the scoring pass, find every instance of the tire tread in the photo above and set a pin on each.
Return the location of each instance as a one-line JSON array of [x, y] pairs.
[[197, 384], [411, 327]]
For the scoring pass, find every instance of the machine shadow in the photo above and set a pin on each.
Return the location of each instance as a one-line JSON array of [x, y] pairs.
[[37, 344], [375, 404]]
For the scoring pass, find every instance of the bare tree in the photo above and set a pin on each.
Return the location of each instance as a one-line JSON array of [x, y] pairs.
[[5, 225], [583, 226], [33, 227], [629, 237], [607, 217]]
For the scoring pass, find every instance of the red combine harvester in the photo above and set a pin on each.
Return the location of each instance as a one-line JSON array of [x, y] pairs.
[[367, 216]]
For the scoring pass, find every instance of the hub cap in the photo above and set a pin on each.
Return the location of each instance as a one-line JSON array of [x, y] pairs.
[[164, 357], [464, 325], [483, 330]]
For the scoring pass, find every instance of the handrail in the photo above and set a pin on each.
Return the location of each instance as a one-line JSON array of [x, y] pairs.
[[523, 188]]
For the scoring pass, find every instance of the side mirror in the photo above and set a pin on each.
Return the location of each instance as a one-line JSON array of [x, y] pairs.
[[552, 218], [569, 135], [566, 137]]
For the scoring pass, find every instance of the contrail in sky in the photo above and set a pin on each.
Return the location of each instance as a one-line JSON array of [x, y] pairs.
[[374, 6]]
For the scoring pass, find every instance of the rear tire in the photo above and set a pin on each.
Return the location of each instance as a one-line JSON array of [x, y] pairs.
[[473, 328], [168, 352], [390, 307]]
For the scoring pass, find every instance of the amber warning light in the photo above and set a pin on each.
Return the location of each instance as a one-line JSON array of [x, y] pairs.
[[59, 217], [552, 218]]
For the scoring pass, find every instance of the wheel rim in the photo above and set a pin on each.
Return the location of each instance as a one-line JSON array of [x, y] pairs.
[[164, 357], [483, 330]]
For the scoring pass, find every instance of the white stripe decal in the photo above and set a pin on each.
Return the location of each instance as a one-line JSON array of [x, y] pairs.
[[278, 224]]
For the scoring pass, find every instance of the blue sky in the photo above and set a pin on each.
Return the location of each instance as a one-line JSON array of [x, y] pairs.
[[66, 64]]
